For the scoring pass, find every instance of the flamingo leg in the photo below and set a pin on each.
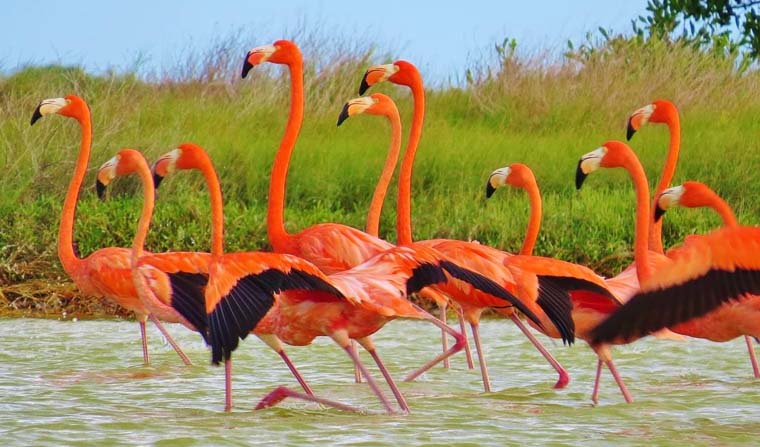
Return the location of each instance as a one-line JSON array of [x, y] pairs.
[[463, 331], [752, 356], [619, 380], [273, 342], [281, 393], [444, 339], [144, 337], [458, 345], [564, 377], [481, 357], [367, 343], [595, 393], [357, 373], [228, 385], [185, 359]]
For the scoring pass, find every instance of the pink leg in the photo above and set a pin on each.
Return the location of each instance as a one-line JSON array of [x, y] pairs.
[[370, 379], [463, 331], [281, 393], [296, 373], [481, 357], [458, 345], [564, 377], [444, 339], [228, 385], [144, 336], [619, 380], [752, 356], [171, 341], [370, 347], [595, 393], [357, 373]]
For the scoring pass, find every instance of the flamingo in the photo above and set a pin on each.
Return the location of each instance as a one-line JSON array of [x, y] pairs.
[[472, 255], [705, 273], [331, 247], [309, 315], [105, 272], [179, 297], [731, 319], [379, 104]]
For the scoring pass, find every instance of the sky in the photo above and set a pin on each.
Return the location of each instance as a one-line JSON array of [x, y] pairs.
[[442, 38]]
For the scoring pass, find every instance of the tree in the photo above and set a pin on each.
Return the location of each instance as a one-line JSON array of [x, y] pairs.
[[729, 26]]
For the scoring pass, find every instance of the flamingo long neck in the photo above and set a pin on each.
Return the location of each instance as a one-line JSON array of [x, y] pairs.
[[66, 252], [149, 198], [404, 212], [640, 248], [668, 171], [376, 206], [278, 235], [217, 205], [721, 207], [534, 224]]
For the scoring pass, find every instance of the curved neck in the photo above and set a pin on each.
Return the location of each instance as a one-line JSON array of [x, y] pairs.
[[217, 205], [668, 171], [640, 248], [534, 224], [66, 252], [404, 211], [149, 197], [278, 236], [721, 207], [376, 206]]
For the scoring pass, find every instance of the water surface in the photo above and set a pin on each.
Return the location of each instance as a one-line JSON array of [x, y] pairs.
[[83, 383]]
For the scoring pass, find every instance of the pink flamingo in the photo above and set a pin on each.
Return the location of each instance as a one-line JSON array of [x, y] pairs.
[[105, 272]]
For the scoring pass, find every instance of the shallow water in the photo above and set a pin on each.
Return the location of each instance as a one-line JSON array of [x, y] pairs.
[[83, 383]]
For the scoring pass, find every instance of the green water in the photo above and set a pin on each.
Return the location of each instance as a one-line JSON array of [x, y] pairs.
[[83, 383]]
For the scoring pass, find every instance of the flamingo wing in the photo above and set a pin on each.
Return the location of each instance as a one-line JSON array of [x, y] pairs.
[[242, 288], [707, 272], [335, 247]]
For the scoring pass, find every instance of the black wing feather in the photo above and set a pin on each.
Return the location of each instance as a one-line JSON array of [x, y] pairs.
[[651, 311], [188, 298], [556, 303]]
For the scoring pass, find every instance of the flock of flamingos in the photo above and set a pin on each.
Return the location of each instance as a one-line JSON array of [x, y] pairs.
[[337, 281]]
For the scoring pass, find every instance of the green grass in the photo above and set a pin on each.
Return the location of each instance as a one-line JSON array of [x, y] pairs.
[[539, 111]]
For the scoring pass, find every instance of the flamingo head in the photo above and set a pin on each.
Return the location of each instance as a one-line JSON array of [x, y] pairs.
[[375, 104], [667, 199], [280, 52], [516, 174], [185, 156], [71, 106], [125, 162], [659, 111], [612, 154], [400, 72]]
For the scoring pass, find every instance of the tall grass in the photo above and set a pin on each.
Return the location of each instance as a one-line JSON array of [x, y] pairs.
[[542, 110]]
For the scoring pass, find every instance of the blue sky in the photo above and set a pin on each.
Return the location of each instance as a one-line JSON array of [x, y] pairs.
[[440, 39]]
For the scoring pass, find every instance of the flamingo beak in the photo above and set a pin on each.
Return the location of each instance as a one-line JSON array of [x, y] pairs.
[[106, 174], [658, 212], [375, 74], [165, 165], [355, 107], [638, 119], [588, 164], [667, 199], [47, 107], [496, 179], [257, 56]]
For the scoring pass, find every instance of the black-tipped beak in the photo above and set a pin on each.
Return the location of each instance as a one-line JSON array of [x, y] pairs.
[[100, 188], [580, 176], [157, 180], [658, 212], [364, 86], [246, 66], [343, 114], [36, 115], [630, 132], [489, 190]]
